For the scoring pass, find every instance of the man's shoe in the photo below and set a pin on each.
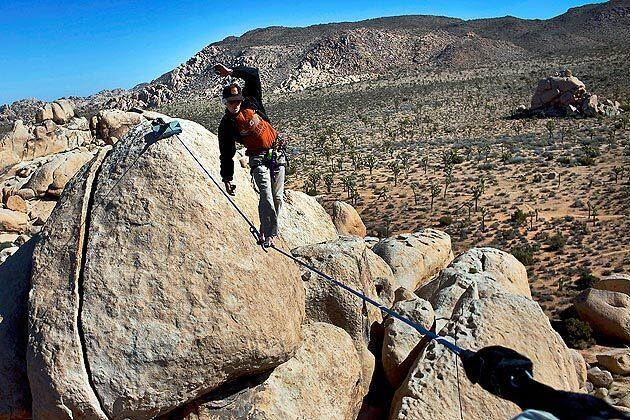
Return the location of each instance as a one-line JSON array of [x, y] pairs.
[[268, 242]]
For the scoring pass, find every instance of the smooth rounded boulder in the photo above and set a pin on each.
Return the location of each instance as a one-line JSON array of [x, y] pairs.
[[608, 313], [148, 290], [416, 257], [319, 382], [431, 389], [401, 339], [489, 269], [347, 220], [344, 259], [303, 221]]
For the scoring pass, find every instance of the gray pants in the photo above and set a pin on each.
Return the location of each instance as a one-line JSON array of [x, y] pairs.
[[271, 193]]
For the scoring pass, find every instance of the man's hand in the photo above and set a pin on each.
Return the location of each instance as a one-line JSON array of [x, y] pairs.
[[230, 188], [221, 70]]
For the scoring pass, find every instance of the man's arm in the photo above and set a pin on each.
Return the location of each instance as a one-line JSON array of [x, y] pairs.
[[227, 150], [252, 87]]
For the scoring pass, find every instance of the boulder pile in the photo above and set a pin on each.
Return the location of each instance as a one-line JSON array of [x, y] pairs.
[[143, 295], [565, 95]]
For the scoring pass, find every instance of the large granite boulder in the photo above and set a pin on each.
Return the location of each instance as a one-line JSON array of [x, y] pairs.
[[614, 283], [15, 276], [401, 339], [62, 111], [345, 260], [148, 291], [416, 257], [52, 177], [113, 124], [319, 382], [489, 269], [608, 313], [347, 220], [431, 391], [303, 221]]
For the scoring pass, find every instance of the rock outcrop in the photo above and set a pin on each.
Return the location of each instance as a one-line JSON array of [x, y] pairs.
[[304, 221], [15, 274], [565, 95], [112, 124], [431, 391], [136, 310], [319, 382], [416, 257], [616, 361], [347, 220], [345, 260], [488, 269], [30, 142], [614, 283], [400, 339], [608, 313]]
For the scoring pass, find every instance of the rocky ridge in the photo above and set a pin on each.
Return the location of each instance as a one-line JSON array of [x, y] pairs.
[[294, 59]]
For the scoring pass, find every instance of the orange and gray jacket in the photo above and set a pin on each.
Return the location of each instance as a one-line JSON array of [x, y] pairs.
[[229, 130]]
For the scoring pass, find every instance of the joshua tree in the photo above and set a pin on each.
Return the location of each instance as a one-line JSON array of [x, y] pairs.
[[348, 184], [354, 195], [388, 147], [477, 191], [395, 167], [448, 178], [415, 187], [435, 191], [425, 163], [616, 171], [370, 161], [328, 180], [550, 125], [447, 157], [484, 213], [468, 206], [595, 213], [404, 159], [313, 180], [482, 184]]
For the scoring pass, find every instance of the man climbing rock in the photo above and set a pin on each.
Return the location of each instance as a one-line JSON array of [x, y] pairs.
[[245, 121]]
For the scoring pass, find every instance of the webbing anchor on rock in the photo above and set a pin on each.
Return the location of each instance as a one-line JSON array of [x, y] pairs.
[[163, 129]]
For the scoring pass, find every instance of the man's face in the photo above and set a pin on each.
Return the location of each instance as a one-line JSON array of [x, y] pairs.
[[233, 106]]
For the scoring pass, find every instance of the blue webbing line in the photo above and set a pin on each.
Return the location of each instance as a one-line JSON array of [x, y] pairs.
[[431, 335]]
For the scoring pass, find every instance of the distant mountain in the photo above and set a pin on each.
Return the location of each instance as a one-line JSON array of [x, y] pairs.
[[293, 59]]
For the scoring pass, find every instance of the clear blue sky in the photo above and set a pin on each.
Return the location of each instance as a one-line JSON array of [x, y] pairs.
[[50, 49]]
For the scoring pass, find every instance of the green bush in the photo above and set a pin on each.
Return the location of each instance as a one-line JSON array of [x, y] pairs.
[[556, 242], [564, 160], [586, 279], [585, 161], [519, 217], [576, 333], [445, 220], [524, 253]]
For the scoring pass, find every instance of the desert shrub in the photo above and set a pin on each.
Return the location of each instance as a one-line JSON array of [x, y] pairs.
[[519, 217], [585, 280], [585, 161], [564, 160], [524, 253], [556, 242], [445, 220], [576, 333]]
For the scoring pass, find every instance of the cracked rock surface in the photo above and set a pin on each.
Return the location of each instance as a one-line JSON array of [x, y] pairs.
[[147, 289]]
